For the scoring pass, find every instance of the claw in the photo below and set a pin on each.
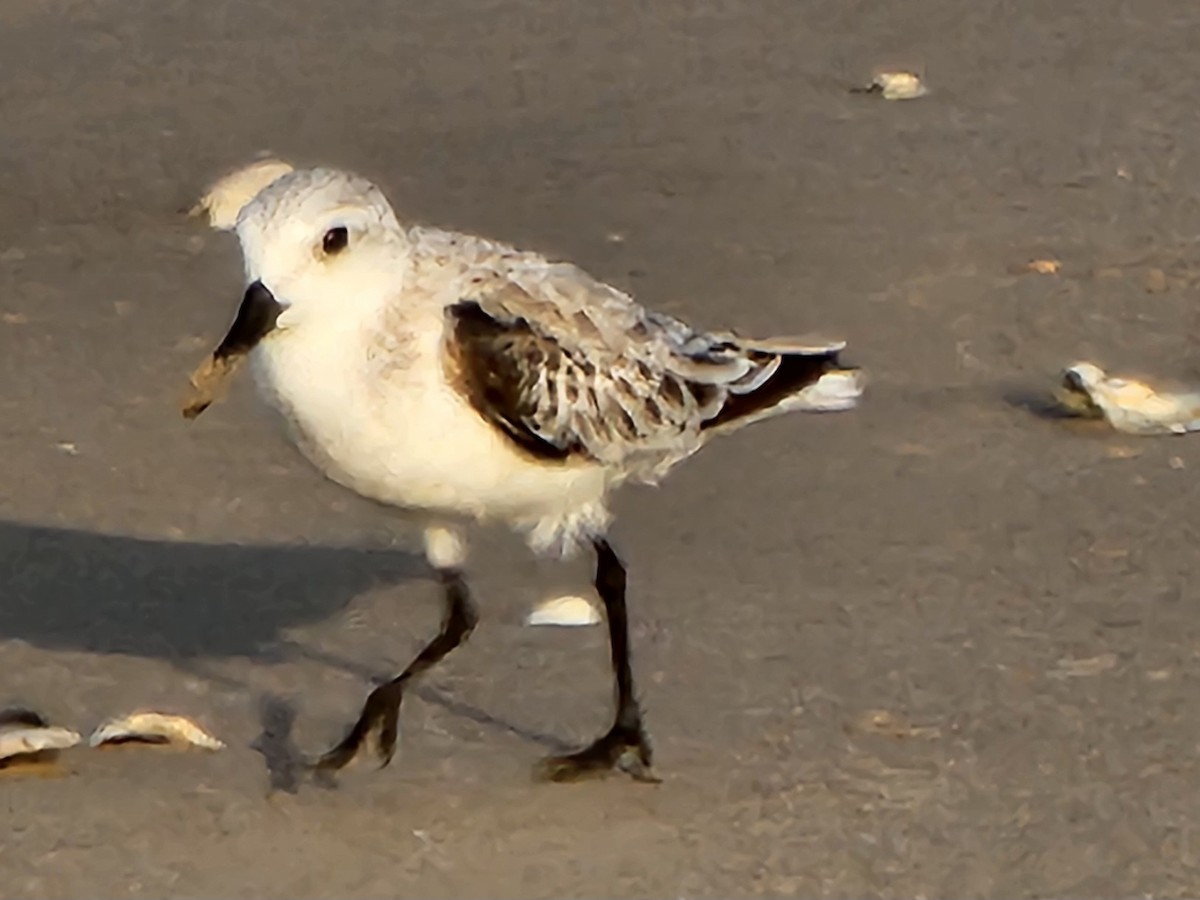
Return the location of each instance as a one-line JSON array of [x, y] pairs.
[[337, 758], [385, 746], [380, 716], [627, 750]]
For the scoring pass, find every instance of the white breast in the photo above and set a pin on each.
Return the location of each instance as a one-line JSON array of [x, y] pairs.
[[372, 411]]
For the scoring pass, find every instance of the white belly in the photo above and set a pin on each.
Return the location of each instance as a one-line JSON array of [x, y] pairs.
[[399, 435]]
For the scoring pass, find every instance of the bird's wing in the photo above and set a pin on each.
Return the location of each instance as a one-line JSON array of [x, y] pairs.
[[570, 367]]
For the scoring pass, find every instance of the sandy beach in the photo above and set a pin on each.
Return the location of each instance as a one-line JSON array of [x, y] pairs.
[[937, 647]]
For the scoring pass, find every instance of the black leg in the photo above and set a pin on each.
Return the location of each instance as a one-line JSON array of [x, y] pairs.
[[382, 708], [625, 745]]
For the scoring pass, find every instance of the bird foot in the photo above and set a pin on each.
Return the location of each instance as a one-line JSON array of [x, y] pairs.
[[624, 748], [380, 717]]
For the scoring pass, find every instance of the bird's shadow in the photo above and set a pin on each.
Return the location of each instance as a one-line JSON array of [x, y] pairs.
[[429, 693], [76, 590], [66, 589], [1039, 404], [288, 766], [285, 763]]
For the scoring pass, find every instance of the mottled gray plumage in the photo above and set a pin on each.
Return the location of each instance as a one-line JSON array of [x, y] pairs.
[[465, 379], [569, 366]]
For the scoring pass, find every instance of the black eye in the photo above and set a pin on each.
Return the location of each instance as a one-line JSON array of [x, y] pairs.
[[335, 240]]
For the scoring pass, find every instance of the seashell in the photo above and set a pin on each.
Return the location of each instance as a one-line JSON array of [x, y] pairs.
[[153, 728], [26, 737], [1130, 406], [566, 611], [1044, 266], [895, 86]]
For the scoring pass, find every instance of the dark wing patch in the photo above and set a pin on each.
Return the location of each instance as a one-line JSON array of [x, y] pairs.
[[497, 366], [796, 372]]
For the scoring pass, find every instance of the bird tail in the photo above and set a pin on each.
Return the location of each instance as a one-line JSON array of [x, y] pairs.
[[789, 375]]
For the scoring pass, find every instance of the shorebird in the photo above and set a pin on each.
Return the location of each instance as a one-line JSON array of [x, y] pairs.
[[470, 381]]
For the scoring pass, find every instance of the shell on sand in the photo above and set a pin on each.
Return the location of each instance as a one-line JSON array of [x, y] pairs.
[[896, 85], [227, 195], [153, 728], [1044, 266], [1129, 405], [33, 739], [568, 611]]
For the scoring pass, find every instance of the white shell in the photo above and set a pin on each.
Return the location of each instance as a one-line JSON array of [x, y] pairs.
[[1130, 406], [226, 196], [1044, 266], [567, 611], [900, 85], [152, 726], [35, 739]]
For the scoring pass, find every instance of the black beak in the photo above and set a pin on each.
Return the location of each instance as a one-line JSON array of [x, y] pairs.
[[255, 319]]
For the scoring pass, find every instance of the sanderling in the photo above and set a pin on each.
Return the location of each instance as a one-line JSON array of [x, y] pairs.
[[468, 380]]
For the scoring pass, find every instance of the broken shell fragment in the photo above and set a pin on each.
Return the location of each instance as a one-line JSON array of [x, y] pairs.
[[1044, 266], [226, 196], [567, 611], [1130, 406], [153, 728], [895, 86], [27, 739], [15, 742], [890, 724]]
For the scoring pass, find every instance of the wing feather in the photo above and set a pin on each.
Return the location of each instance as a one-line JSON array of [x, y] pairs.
[[571, 368]]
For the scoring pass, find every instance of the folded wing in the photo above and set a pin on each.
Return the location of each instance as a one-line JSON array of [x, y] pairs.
[[571, 368]]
